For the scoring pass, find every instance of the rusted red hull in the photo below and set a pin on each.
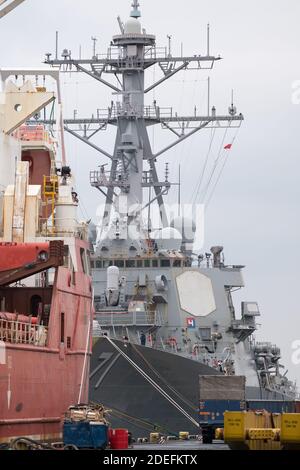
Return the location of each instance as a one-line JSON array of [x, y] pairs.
[[36, 387], [46, 306], [44, 369]]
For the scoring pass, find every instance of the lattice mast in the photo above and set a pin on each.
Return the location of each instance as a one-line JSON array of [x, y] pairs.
[[131, 53]]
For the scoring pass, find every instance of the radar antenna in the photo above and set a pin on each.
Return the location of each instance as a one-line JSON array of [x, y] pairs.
[[135, 13], [133, 160]]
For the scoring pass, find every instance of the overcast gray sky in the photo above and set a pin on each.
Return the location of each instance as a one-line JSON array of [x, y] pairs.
[[255, 210]]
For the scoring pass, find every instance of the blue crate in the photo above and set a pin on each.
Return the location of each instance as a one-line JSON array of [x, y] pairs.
[[86, 435]]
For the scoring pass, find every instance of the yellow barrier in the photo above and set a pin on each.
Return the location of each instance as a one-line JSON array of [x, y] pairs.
[[260, 430], [183, 436], [263, 434], [290, 430], [154, 437], [219, 434]]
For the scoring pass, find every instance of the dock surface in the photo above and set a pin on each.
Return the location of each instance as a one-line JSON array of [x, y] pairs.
[[182, 445]]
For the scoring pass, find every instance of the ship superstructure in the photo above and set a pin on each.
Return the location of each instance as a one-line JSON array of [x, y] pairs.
[[158, 306], [45, 284]]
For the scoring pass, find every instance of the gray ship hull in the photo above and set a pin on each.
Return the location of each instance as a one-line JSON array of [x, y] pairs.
[[135, 403]]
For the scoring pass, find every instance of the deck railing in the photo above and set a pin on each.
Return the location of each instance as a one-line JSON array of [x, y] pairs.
[[65, 228], [34, 134], [15, 332], [128, 319]]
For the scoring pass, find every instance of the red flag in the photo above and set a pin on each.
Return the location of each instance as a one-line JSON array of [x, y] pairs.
[[228, 147]]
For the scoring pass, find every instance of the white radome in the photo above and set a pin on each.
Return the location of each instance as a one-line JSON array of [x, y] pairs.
[[113, 275], [168, 239], [133, 26], [186, 227]]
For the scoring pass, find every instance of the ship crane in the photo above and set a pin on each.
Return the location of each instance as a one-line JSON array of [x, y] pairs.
[[6, 6], [24, 260]]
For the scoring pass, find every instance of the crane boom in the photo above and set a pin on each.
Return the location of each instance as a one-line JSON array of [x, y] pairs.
[[7, 9]]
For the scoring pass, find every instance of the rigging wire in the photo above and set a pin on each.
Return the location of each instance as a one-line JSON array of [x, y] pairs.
[[138, 422], [220, 173], [84, 372], [199, 184], [178, 394], [154, 99], [216, 184], [154, 384], [197, 96], [82, 207], [181, 147], [141, 422], [188, 148], [217, 160]]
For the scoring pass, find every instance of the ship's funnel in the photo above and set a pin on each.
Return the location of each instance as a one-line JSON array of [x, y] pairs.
[[216, 251]]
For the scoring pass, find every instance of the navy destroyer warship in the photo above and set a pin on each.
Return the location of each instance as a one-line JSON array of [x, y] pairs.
[[164, 314]]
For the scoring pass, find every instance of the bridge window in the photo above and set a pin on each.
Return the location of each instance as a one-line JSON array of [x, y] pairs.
[[84, 261], [62, 327], [177, 263], [147, 263], [35, 305], [130, 263], [107, 264], [139, 263], [66, 256], [120, 263], [165, 263], [155, 263], [73, 278], [88, 262]]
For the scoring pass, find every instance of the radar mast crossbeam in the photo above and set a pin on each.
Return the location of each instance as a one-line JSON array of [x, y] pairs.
[[97, 76], [181, 139], [166, 126], [119, 65], [166, 77], [87, 141], [111, 119]]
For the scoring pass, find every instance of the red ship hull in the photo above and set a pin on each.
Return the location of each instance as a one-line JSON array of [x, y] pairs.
[[44, 370], [42, 387]]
